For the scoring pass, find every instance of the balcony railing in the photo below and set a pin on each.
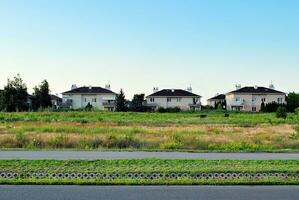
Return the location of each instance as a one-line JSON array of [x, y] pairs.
[[195, 105], [150, 104], [108, 104]]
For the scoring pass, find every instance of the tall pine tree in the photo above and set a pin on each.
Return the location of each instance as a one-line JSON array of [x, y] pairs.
[[121, 104]]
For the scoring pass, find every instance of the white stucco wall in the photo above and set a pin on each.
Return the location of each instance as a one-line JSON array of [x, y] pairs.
[[183, 103], [252, 100], [82, 100], [212, 102]]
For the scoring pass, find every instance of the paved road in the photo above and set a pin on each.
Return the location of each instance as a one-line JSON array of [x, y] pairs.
[[63, 155], [149, 192]]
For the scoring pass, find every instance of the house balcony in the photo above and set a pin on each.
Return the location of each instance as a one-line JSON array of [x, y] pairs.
[[195, 105], [152, 105], [109, 104], [238, 103], [67, 103]]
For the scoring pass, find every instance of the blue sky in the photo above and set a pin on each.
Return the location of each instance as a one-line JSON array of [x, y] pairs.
[[138, 44]]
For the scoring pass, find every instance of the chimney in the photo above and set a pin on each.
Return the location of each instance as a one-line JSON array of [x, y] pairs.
[[74, 86], [255, 87], [238, 86], [271, 86], [107, 86], [90, 87], [172, 90], [189, 89], [155, 89]]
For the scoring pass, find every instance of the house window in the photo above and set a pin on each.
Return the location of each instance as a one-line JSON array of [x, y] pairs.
[[85, 99], [253, 109], [238, 99], [94, 100], [195, 100], [168, 99], [279, 100], [263, 99], [152, 99], [179, 99], [253, 99]]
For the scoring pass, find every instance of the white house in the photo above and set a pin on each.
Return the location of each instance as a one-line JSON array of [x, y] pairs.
[[56, 101], [98, 97], [250, 99], [218, 99], [170, 98]]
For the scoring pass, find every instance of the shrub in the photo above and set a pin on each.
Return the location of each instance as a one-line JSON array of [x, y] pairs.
[[83, 121], [161, 110], [88, 107], [174, 110], [281, 112], [169, 110], [60, 141], [123, 142], [95, 143], [226, 115], [37, 143], [21, 140], [7, 142], [203, 116], [171, 145]]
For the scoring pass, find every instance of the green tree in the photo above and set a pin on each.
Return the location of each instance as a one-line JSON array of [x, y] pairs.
[[137, 103], [15, 96], [1, 100], [297, 120], [121, 104], [41, 96], [293, 101]]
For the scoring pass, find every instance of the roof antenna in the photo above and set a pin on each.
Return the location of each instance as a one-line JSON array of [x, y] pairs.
[[108, 86]]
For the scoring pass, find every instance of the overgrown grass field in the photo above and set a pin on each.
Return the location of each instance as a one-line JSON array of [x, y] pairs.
[[128, 118], [210, 131]]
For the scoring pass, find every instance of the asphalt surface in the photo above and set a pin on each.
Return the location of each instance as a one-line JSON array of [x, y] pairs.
[[89, 155], [28, 192]]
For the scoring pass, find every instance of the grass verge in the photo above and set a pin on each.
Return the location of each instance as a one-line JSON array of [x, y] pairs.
[[147, 166]]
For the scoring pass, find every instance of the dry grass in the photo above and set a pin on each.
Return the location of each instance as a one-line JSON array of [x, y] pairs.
[[109, 135]]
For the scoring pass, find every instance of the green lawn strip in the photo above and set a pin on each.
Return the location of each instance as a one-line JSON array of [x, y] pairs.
[[150, 166], [242, 181], [22, 167]]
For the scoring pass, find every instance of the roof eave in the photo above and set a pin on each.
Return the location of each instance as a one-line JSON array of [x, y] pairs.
[[87, 93], [255, 93], [172, 96]]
